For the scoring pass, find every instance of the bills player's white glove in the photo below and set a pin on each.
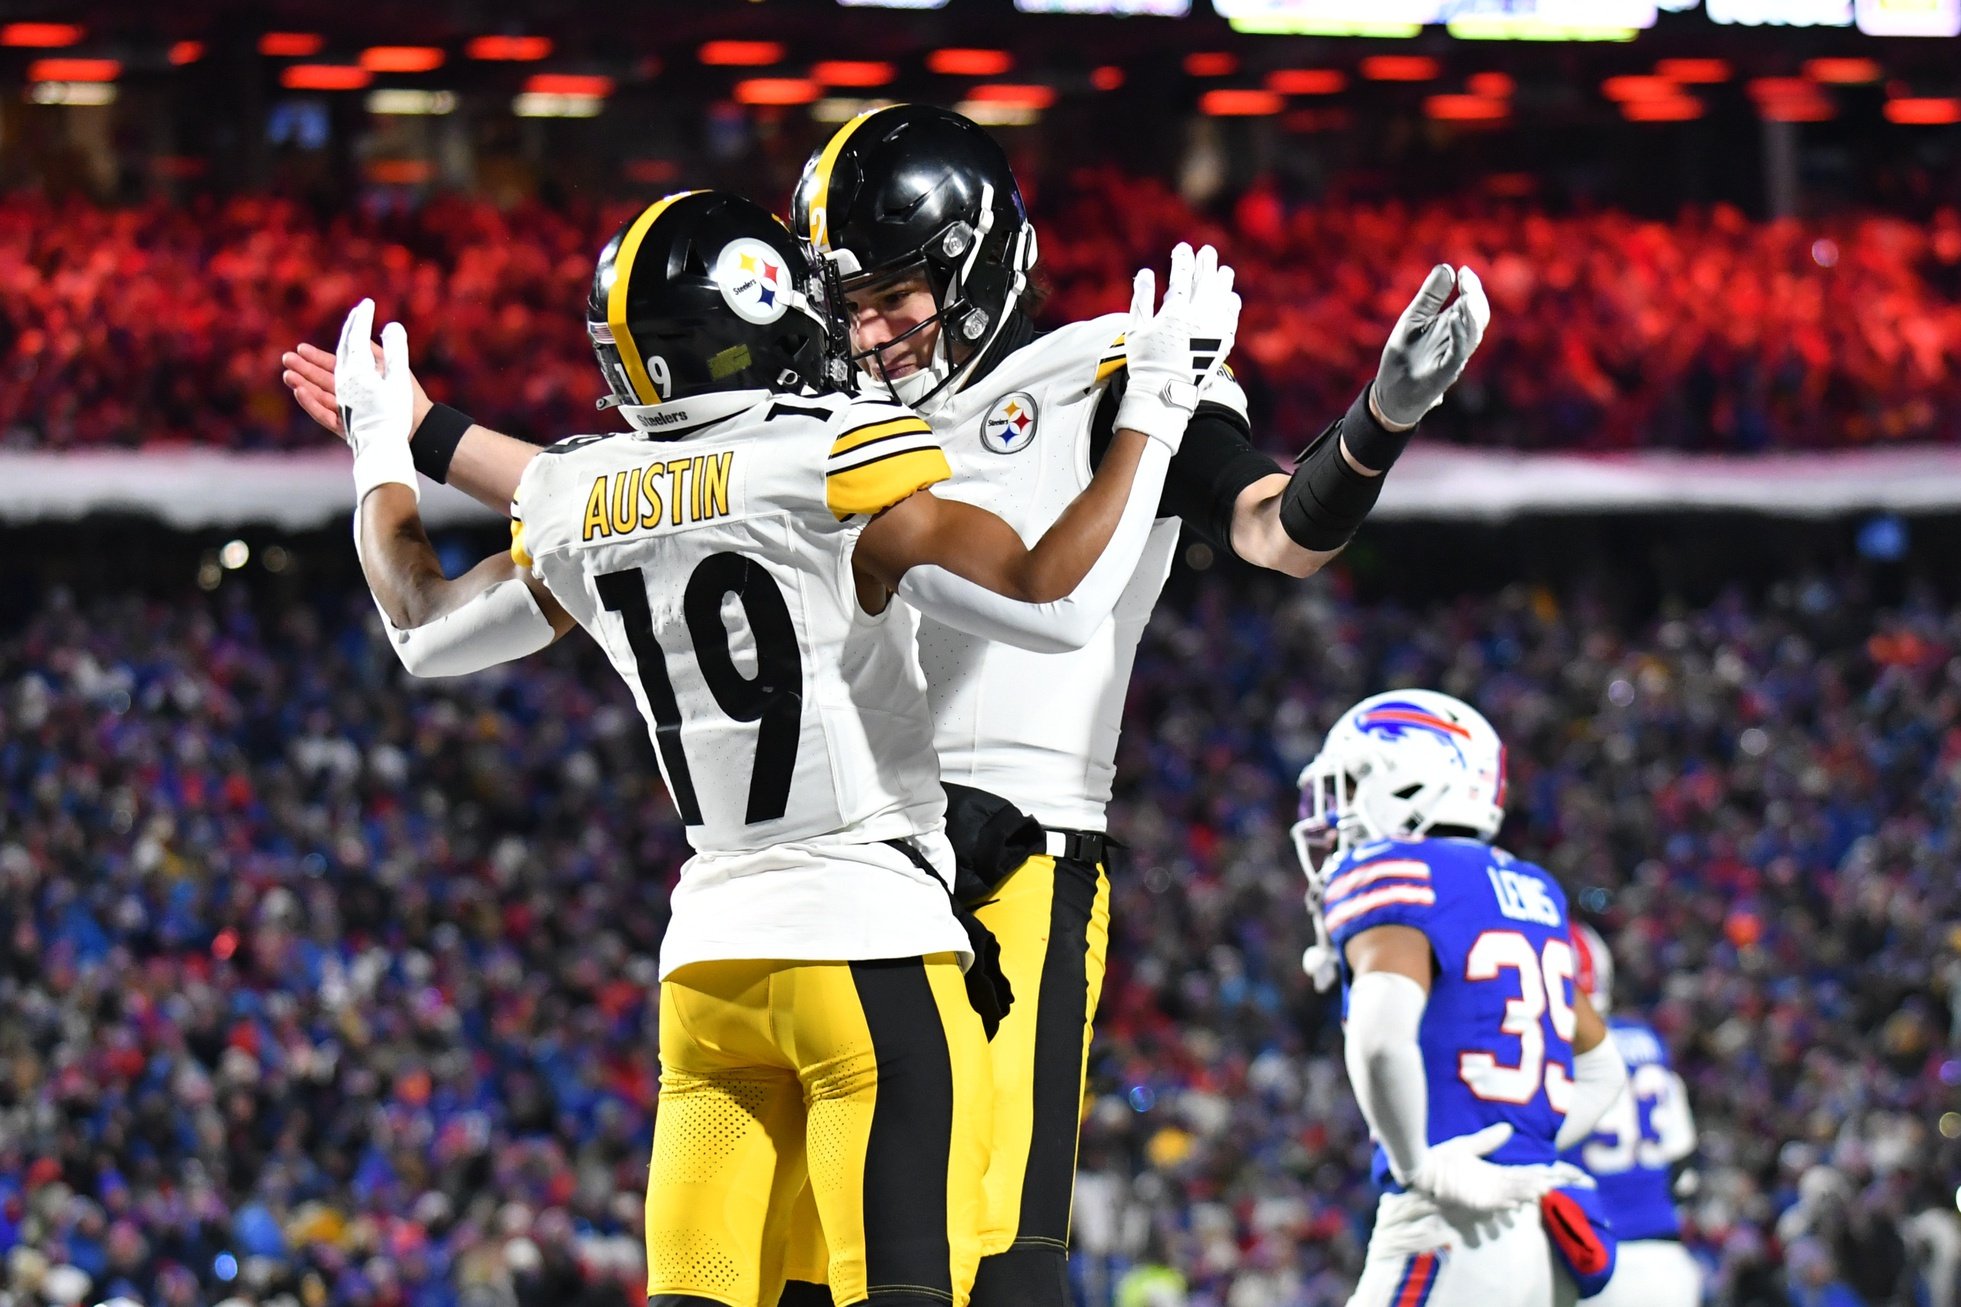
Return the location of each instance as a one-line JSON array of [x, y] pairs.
[[1429, 347], [1455, 1174], [377, 408], [1173, 351]]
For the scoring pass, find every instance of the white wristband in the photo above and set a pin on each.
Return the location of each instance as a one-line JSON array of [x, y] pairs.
[[381, 463]]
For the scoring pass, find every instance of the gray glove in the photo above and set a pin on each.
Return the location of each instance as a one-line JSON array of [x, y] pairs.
[[1429, 346]]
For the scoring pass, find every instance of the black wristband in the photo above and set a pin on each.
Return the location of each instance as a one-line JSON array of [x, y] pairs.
[[1326, 499], [1374, 446], [435, 441]]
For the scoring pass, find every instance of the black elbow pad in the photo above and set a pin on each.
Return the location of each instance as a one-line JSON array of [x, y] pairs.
[[1326, 499]]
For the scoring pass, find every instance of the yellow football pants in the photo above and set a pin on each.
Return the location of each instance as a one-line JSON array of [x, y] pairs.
[[1052, 919], [870, 1079]]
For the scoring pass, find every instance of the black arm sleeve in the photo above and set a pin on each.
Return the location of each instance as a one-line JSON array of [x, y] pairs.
[[1215, 462]]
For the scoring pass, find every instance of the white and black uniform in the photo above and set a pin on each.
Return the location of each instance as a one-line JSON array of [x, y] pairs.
[[791, 726], [1040, 730]]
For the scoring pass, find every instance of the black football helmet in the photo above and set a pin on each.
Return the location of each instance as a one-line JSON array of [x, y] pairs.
[[706, 291], [909, 187]]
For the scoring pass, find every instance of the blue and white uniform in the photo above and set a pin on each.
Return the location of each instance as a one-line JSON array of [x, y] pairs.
[[1629, 1155], [1497, 1046]]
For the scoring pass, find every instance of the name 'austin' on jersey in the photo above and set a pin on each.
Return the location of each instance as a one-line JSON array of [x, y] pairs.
[[1497, 1035]]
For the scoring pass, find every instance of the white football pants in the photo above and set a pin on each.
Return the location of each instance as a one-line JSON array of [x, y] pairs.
[[1419, 1257], [1652, 1273]]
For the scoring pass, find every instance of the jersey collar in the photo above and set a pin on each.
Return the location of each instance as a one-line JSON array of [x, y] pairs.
[[681, 418]]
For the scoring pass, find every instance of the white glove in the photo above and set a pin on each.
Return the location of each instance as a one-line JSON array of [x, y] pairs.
[[1429, 347], [1172, 353], [1455, 1174], [377, 409]]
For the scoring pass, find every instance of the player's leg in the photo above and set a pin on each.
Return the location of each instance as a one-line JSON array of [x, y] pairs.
[[728, 1142], [894, 1065], [806, 1258], [1416, 1259], [1652, 1273], [1052, 919]]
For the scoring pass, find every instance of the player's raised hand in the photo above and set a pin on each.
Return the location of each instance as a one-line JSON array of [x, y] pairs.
[[1430, 345], [308, 371], [1172, 351], [375, 396], [1455, 1173]]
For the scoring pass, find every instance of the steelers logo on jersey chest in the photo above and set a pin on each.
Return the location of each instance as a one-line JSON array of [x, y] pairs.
[[754, 281], [1010, 425]]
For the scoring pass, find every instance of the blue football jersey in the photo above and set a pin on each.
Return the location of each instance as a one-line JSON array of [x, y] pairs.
[[1647, 1130], [1497, 1033]]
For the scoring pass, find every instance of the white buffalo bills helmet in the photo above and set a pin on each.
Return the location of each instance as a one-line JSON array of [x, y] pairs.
[[1397, 766], [1593, 969]]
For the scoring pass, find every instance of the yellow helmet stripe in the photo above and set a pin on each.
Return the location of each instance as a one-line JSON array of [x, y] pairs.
[[820, 190], [636, 369]]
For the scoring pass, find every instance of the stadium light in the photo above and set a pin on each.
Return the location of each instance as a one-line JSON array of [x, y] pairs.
[[40, 36], [777, 90], [1465, 109], [1400, 68], [1843, 71], [186, 52], [853, 72], [291, 45], [1924, 110], [325, 77], [1106, 78], [72, 93], [404, 102], [1307, 81], [1676, 109], [547, 104], [1494, 86], [1631, 87], [1240, 102], [843, 108], [512, 49], [574, 84], [740, 54], [401, 58], [991, 114], [1211, 63], [970, 62], [74, 70], [1694, 72], [1028, 95]]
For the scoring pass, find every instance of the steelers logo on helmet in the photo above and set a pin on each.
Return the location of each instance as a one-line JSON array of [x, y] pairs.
[[754, 281], [1010, 425]]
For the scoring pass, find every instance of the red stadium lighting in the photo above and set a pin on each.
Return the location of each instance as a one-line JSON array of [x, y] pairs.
[[1307, 81], [1211, 63], [1815, 110], [1493, 86], [1240, 103], [291, 45], [40, 36], [1843, 71], [740, 54], [1400, 68], [1634, 87], [513, 49], [1107, 78], [853, 72], [1020, 95], [777, 90], [970, 63], [325, 77], [1780, 88], [1924, 110], [73, 70], [401, 58], [186, 52], [1465, 109], [400, 172], [1679, 109], [568, 84], [1694, 72]]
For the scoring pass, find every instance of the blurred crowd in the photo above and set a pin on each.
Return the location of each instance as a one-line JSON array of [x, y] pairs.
[[162, 324], [326, 988]]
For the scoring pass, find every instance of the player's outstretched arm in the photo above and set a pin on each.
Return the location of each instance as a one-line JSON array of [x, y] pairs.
[[438, 627], [969, 569], [447, 446], [1295, 523], [1599, 1073]]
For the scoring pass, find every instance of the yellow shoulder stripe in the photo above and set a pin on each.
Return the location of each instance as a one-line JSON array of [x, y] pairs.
[[519, 554], [876, 485], [1114, 359], [865, 435]]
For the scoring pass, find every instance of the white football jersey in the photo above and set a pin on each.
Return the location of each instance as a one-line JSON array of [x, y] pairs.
[[713, 565], [1040, 730]]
